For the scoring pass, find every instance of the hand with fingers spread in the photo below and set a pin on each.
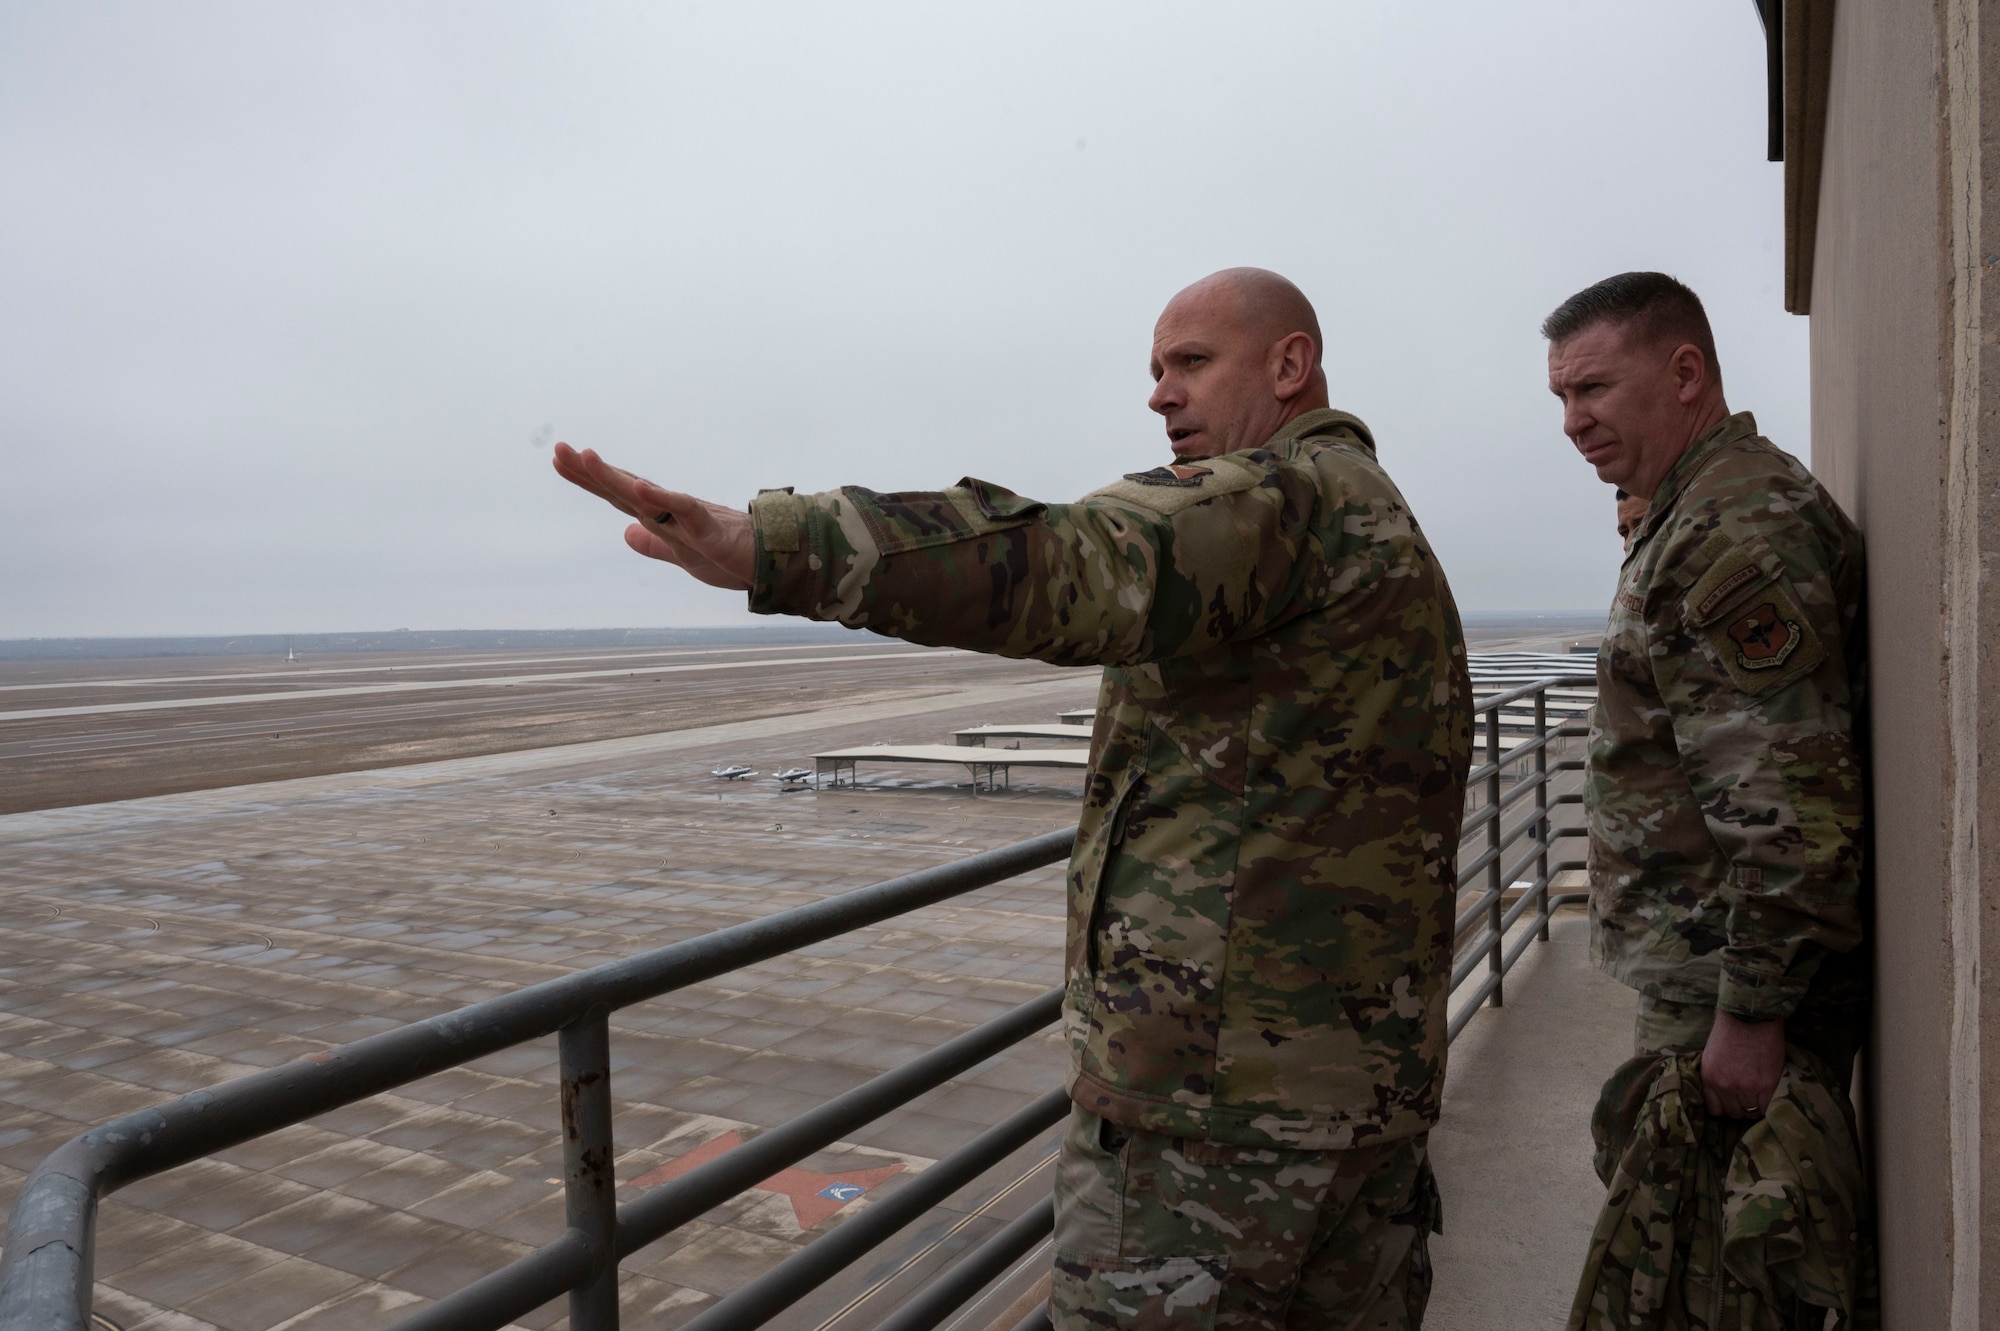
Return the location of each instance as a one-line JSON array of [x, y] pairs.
[[713, 542]]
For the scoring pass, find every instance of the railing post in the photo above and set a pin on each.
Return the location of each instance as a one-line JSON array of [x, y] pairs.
[[1496, 958], [1542, 802], [589, 1189]]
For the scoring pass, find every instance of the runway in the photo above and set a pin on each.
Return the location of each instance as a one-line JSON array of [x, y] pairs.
[[199, 727], [168, 943], [258, 863], [282, 672], [426, 685]]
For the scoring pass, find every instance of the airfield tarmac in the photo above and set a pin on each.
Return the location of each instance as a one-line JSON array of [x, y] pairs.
[[186, 899], [84, 732]]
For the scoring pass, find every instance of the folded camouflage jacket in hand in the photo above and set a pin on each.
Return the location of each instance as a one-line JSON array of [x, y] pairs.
[[1709, 1225]]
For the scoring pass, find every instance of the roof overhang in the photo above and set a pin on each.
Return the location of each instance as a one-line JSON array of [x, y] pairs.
[[1798, 46]]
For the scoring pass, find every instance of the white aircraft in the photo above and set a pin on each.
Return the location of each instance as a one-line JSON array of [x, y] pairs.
[[733, 772], [793, 774]]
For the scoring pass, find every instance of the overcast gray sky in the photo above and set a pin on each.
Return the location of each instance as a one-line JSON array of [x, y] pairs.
[[293, 298]]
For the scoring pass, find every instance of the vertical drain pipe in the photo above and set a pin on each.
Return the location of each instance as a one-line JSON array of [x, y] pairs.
[[589, 1191]]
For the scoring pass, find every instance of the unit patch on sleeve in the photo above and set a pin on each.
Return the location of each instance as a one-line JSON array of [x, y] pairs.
[[1179, 486], [1766, 641]]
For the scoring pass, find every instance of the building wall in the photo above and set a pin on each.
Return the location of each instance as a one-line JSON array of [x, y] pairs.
[[1906, 404], [1969, 95], [1879, 406]]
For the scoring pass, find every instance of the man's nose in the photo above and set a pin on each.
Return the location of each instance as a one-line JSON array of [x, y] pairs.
[[1576, 420], [1166, 396]]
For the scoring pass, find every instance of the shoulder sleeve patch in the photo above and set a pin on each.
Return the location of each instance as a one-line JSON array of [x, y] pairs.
[[1765, 641], [1735, 570], [1180, 485], [1744, 611]]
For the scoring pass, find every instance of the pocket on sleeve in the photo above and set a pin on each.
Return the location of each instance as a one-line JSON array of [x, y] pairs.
[[919, 519], [1748, 618]]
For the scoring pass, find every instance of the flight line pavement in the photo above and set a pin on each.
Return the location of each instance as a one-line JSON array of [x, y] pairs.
[[159, 945], [163, 945], [60, 746]]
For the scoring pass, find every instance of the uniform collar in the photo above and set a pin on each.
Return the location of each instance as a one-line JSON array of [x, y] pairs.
[[1323, 421], [1726, 431]]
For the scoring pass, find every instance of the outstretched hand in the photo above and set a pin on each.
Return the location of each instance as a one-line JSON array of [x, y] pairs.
[[715, 543]]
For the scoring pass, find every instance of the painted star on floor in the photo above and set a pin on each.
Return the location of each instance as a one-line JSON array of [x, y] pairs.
[[814, 1196]]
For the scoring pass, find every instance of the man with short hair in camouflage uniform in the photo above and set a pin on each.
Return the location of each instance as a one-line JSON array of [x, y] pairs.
[[1725, 783], [1630, 509], [1260, 899]]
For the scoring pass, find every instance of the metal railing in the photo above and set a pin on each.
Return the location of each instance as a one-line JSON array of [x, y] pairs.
[[1549, 711], [45, 1270]]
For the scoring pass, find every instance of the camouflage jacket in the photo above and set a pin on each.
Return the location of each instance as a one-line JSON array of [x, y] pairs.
[[1260, 900], [1725, 783], [1726, 1224]]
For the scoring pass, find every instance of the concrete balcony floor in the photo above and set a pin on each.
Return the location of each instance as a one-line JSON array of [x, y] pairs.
[[1513, 1151]]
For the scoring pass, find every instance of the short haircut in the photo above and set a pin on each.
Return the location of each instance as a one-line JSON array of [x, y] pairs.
[[1654, 306]]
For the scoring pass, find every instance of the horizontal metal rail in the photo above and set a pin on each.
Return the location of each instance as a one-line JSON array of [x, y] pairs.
[[1525, 749], [528, 1283], [1480, 929], [45, 1271], [811, 1266], [971, 1273]]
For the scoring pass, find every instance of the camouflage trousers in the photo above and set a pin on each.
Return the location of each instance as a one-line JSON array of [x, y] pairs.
[[1155, 1231]]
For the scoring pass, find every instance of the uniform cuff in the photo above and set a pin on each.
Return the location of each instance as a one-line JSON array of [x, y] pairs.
[[776, 518], [1757, 995]]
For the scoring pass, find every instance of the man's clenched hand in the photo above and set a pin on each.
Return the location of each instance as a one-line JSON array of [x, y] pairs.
[[1740, 1066], [714, 543]]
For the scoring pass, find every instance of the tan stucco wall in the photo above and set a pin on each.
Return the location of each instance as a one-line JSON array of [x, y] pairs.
[[1878, 408], [1969, 51]]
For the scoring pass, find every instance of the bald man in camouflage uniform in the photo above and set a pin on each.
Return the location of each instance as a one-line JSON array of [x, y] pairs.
[[1725, 785], [1260, 899]]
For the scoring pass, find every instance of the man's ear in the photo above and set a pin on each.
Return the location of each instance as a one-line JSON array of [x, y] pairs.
[[1293, 359], [1690, 371]]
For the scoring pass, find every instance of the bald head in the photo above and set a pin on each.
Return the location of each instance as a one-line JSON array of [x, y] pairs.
[[1235, 356], [1261, 301]]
